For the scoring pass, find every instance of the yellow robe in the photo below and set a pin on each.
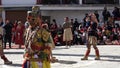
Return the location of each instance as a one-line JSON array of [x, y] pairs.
[[38, 48]]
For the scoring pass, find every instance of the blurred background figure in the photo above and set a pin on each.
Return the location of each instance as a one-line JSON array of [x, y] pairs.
[[19, 34], [53, 28], [67, 34], [14, 31], [7, 33], [106, 14], [6, 61]]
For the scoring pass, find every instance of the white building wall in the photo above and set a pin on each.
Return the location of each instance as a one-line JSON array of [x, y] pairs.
[[46, 13], [60, 15], [72, 14], [80, 2], [18, 2], [3, 16]]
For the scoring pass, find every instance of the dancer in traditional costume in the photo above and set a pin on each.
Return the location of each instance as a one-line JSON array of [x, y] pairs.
[[92, 38], [38, 46]]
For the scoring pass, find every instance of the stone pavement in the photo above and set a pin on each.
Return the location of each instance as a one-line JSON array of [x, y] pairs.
[[71, 58]]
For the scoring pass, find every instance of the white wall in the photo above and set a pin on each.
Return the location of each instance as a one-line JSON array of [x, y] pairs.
[[3, 16], [60, 15], [80, 2], [18, 2], [72, 14]]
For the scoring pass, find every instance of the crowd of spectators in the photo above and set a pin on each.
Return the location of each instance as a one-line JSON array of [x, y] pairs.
[[108, 30], [12, 33]]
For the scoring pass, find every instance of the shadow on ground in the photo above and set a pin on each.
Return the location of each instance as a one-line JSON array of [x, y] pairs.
[[112, 58], [14, 65], [66, 62], [13, 52]]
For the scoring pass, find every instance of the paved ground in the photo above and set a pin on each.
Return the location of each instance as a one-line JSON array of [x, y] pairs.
[[71, 58]]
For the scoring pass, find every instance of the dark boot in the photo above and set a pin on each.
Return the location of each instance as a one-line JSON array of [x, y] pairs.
[[6, 61], [86, 55], [97, 54]]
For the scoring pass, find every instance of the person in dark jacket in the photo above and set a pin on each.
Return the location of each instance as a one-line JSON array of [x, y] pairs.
[[106, 14], [7, 33], [116, 13], [2, 55]]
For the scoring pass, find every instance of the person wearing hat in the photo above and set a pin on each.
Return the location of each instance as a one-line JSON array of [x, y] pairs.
[[38, 52], [92, 37]]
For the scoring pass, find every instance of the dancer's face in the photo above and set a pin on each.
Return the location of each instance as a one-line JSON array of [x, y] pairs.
[[33, 20]]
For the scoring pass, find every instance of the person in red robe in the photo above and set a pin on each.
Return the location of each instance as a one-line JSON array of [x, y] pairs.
[[14, 31], [53, 28], [19, 34]]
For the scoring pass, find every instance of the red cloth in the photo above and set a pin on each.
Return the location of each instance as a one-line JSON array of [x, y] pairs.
[[19, 35], [14, 31]]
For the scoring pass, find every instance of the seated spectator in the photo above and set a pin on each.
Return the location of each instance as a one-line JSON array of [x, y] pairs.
[[115, 42], [108, 42]]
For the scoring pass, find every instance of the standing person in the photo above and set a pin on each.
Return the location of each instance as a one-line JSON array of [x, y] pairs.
[[97, 15], [19, 34], [6, 61], [45, 25], [106, 14], [75, 24], [116, 13], [67, 35], [38, 52], [53, 28], [14, 31], [72, 23], [7, 33], [92, 38], [47, 22], [84, 20]]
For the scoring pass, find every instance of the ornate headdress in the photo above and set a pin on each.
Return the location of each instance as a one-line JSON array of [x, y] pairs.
[[33, 16]]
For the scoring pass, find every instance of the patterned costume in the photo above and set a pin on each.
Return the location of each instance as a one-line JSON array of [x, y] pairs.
[[92, 38], [38, 43]]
